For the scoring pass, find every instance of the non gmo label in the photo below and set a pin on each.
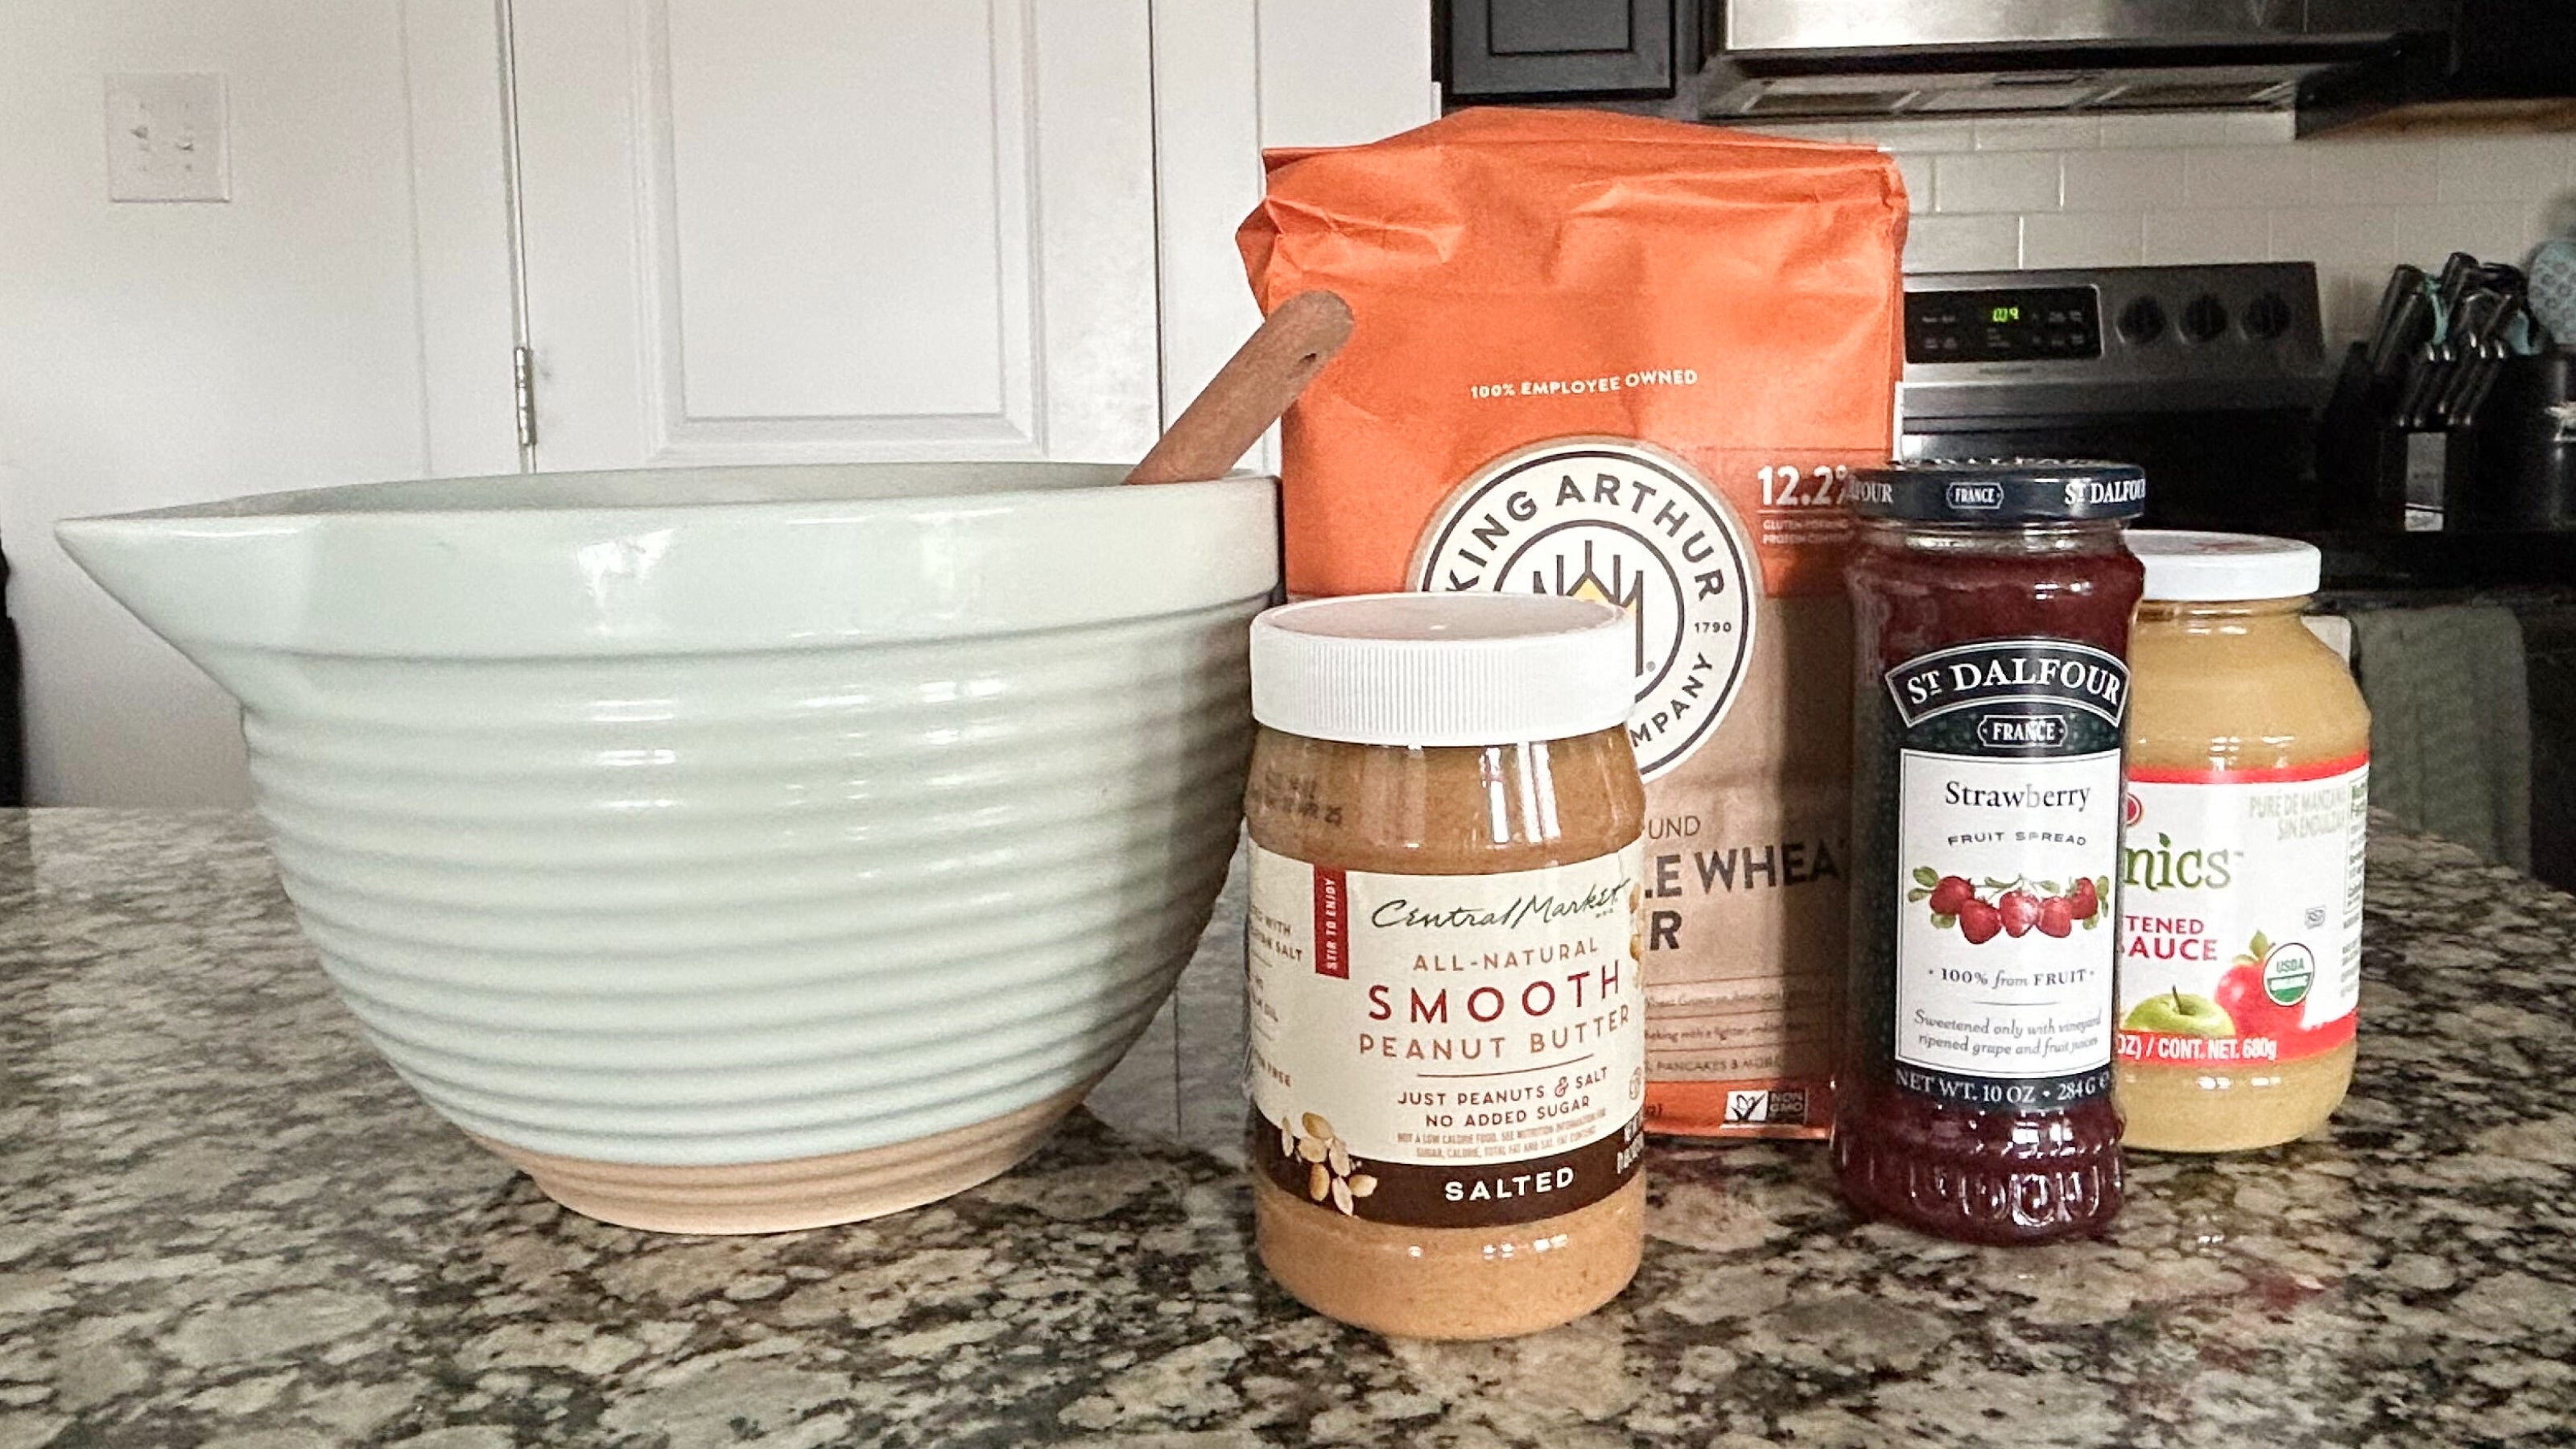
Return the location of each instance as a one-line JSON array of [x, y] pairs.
[[1446, 1050], [1622, 523], [2241, 913], [2008, 816]]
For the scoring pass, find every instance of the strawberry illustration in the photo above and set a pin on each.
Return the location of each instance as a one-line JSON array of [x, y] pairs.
[[1979, 921], [2019, 910], [2082, 901], [2057, 915], [1952, 893]]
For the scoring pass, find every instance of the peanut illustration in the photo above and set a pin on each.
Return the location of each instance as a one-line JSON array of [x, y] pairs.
[[1332, 1173]]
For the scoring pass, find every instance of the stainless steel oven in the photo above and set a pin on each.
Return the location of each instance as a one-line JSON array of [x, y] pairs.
[[2207, 376]]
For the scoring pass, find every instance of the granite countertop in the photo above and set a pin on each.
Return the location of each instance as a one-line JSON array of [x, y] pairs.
[[222, 1221]]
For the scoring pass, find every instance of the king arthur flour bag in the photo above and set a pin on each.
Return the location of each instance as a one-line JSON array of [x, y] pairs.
[[1632, 360]]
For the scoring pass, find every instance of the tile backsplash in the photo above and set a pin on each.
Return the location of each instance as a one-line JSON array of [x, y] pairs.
[[2124, 190]]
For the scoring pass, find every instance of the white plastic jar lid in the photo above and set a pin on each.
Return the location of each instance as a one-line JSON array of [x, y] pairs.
[[1443, 669], [2186, 567]]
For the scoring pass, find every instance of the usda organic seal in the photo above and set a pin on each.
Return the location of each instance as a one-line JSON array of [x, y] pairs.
[[1614, 520]]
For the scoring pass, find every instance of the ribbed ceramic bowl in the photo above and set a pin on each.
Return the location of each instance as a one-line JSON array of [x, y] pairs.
[[736, 849]]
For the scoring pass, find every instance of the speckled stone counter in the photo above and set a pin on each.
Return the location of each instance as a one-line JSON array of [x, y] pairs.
[[223, 1222]]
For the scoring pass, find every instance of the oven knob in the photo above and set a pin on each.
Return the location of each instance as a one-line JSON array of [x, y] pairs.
[[2142, 321], [2204, 318], [2267, 316]]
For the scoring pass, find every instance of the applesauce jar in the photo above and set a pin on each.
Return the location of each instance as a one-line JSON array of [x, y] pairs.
[[2240, 879], [1447, 1025]]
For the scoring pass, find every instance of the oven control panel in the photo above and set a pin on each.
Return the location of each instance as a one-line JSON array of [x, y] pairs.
[[2002, 324], [2105, 341]]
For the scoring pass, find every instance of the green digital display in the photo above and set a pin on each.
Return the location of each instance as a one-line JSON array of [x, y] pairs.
[[2002, 324]]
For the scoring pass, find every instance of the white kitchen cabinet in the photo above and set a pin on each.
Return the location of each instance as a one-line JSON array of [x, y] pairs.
[[809, 230], [818, 230]]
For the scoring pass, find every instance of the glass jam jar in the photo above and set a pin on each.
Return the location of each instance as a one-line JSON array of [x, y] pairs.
[[2248, 809], [1990, 609], [1447, 1024]]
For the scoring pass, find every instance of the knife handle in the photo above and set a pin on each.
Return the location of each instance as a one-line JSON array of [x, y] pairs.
[[2423, 379]]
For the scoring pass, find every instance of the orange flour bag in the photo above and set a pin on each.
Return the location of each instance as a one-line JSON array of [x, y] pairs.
[[1632, 360]]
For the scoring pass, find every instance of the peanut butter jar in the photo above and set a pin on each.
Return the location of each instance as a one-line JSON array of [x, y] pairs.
[[1447, 1035]]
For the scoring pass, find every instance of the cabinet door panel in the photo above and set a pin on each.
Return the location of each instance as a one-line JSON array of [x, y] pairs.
[[805, 245], [1545, 27], [809, 230], [1499, 49]]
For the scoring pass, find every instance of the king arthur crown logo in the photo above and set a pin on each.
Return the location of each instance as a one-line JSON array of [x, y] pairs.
[[1589, 584], [1614, 520]]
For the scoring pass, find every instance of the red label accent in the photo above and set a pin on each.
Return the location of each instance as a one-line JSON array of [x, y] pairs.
[[1332, 924], [2166, 1048], [2315, 770]]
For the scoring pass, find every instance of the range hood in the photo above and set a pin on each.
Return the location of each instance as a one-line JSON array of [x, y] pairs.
[[1783, 60]]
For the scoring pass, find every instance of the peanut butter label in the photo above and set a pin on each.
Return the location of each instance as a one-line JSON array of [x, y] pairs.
[[1446, 1050]]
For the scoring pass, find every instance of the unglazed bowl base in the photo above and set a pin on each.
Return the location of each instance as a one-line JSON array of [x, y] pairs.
[[801, 1192]]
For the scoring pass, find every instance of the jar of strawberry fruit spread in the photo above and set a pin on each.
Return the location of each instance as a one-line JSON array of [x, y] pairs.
[[1990, 608], [2240, 879]]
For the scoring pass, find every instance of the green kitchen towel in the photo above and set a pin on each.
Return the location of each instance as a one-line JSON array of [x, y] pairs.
[[2450, 723]]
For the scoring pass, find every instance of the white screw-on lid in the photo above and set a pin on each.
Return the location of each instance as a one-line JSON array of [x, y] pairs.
[[1443, 669], [2185, 567]]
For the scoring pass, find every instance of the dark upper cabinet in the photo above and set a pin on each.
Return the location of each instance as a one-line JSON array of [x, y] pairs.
[[1537, 49], [2444, 61]]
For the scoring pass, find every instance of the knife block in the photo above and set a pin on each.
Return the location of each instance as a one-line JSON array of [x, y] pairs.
[[2382, 478]]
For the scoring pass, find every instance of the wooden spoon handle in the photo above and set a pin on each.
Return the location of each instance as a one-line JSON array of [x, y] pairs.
[[1249, 393]]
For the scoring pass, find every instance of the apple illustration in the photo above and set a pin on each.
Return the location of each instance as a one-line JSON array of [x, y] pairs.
[[2178, 1013], [1979, 921], [1952, 893], [2020, 911], [2241, 995]]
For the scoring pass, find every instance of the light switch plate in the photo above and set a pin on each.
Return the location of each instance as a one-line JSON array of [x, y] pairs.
[[166, 138]]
